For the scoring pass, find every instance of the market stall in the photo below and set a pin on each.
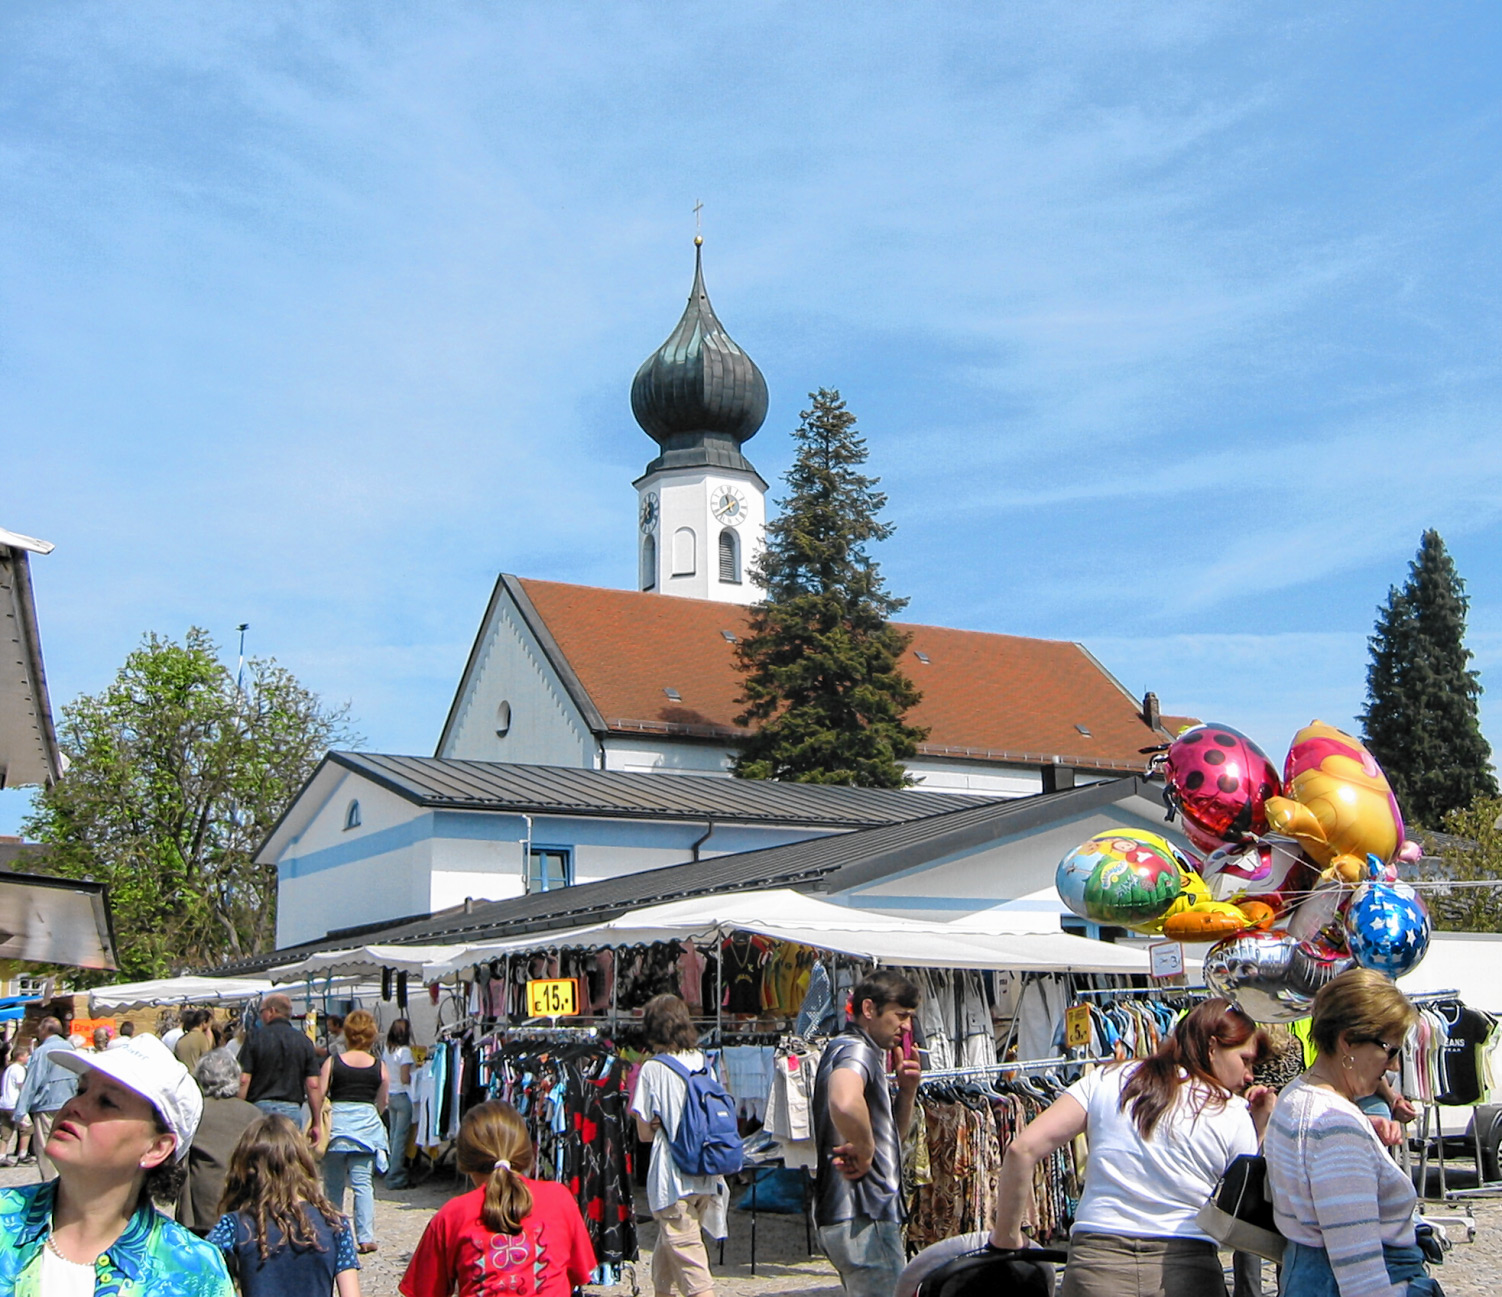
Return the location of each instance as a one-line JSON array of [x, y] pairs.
[[125, 996]]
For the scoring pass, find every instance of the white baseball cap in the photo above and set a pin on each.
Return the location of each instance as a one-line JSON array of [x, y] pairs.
[[147, 1066]]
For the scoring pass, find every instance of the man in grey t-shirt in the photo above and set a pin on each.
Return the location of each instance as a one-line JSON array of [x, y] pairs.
[[858, 1188]]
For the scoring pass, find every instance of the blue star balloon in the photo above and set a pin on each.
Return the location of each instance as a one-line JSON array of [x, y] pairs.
[[1387, 928]]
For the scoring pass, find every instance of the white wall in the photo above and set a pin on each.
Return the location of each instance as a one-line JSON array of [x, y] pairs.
[[546, 728], [1015, 873], [660, 753], [332, 877], [684, 501]]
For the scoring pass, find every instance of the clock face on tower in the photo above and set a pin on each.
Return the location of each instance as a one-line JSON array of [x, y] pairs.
[[649, 511], [729, 505]]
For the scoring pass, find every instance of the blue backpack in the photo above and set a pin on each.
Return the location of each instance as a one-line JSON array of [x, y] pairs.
[[708, 1141]]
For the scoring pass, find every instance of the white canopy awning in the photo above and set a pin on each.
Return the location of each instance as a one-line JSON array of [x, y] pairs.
[[791, 916], [420, 962], [177, 990]]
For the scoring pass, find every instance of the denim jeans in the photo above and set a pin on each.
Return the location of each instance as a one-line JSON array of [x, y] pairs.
[[359, 1169], [399, 1124], [867, 1253], [281, 1108], [1307, 1272]]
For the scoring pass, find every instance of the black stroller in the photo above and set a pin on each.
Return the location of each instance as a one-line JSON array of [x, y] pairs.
[[985, 1273]]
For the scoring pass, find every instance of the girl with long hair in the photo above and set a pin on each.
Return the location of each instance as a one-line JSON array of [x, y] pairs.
[[277, 1229], [399, 1068], [511, 1233], [1162, 1132]]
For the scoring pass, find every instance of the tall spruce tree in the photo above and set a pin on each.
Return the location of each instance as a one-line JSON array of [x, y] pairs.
[[823, 685], [1420, 719]]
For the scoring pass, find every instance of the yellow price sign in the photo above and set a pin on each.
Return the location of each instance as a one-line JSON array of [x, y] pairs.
[[1077, 1026], [554, 997]]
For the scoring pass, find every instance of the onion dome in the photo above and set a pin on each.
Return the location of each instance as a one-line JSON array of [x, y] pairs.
[[699, 396]]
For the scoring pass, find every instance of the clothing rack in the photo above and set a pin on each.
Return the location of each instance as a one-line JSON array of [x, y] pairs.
[[1136, 992], [1428, 997], [1026, 1065], [527, 1032]]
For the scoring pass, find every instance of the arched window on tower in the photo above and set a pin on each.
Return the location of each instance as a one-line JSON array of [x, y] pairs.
[[352, 815], [683, 552], [649, 562], [730, 557]]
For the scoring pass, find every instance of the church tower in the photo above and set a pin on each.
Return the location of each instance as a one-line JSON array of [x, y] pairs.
[[702, 507]]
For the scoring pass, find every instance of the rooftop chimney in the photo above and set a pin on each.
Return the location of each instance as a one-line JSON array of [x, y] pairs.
[[1150, 711]]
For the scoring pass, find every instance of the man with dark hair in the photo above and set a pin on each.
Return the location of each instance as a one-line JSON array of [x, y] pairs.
[[46, 1088], [197, 1038], [858, 1128], [278, 1066]]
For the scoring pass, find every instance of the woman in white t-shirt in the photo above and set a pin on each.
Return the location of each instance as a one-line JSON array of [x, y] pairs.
[[683, 1206], [398, 1100], [1162, 1132]]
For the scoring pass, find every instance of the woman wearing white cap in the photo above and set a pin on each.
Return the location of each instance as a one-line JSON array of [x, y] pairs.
[[117, 1145]]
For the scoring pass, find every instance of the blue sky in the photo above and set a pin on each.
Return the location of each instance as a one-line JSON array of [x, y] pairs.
[[1171, 327]]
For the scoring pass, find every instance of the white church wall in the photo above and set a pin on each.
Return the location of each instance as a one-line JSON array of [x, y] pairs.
[[1013, 875], [514, 688], [662, 754], [934, 774]]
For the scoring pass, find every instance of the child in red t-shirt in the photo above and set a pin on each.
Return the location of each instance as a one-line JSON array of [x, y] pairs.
[[511, 1235]]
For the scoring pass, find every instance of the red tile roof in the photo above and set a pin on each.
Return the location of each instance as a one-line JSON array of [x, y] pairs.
[[985, 696]]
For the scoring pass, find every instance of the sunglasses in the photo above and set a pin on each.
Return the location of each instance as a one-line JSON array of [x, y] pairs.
[[1392, 1050]]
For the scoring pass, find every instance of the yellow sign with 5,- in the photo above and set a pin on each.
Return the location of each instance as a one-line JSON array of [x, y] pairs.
[[554, 997], [1077, 1026]]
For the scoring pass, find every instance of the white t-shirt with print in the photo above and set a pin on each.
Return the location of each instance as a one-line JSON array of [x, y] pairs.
[[660, 1092], [1154, 1188]]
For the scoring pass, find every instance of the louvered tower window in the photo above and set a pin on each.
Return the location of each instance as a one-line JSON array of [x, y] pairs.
[[730, 557]]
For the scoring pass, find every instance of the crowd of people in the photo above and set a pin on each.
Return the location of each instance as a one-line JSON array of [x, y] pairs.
[[199, 1164]]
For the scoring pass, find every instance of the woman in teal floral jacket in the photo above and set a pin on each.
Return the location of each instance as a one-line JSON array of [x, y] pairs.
[[117, 1144]]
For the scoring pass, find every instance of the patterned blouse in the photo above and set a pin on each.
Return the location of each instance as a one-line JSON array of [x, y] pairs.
[[154, 1255]]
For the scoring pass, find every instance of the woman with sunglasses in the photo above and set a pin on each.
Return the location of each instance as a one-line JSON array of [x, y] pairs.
[[1344, 1205]]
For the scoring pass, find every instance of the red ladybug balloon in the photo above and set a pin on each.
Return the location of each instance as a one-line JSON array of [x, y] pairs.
[[1219, 780]]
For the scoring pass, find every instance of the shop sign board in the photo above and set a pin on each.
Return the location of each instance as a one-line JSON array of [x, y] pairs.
[[1167, 959], [1077, 1027], [553, 997]]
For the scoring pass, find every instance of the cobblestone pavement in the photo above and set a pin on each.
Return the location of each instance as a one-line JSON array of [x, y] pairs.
[[783, 1264]]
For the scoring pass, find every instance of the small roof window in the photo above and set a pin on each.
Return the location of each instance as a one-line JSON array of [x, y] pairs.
[[729, 636], [673, 694], [1083, 729], [921, 656]]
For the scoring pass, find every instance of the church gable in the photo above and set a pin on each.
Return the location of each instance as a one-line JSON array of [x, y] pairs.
[[515, 701]]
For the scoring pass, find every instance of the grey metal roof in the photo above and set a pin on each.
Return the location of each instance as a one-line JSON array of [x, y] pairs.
[[448, 784], [847, 857]]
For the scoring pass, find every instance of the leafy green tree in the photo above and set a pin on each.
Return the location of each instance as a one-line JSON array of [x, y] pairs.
[[823, 687], [1473, 854], [177, 774], [1420, 720]]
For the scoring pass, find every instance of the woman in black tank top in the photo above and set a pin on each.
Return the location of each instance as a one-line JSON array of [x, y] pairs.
[[356, 1083], [351, 1084]]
